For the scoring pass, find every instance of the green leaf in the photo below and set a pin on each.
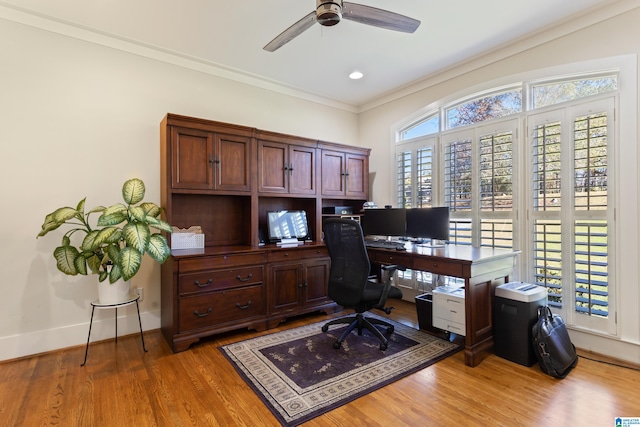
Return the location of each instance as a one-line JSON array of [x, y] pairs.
[[133, 191], [97, 209], [151, 209], [80, 264], [158, 248], [138, 213], [113, 252], [95, 262], [65, 259], [89, 241], [102, 276], [56, 218], [114, 218], [64, 214], [159, 224], [129, 261], [136, 235], [115, 274], [108, 235], [80, 207]]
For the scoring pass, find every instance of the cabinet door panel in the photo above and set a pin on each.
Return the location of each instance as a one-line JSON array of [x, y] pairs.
[[192, 152], [357, 184], [233, 163], [333, 169], [272, 162], [316, 281], [285, 283], [302, 169]]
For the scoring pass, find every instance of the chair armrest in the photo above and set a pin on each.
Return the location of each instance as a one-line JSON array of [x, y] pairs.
[[391, 268]]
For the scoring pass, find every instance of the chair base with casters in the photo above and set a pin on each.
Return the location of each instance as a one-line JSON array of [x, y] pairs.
[[371, 324], [360, 322]]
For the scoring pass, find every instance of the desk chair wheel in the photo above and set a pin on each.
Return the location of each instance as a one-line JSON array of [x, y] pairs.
[[337, 345], [383, 346], [325, 328]]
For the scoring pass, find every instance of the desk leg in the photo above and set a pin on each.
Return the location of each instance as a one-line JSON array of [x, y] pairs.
[[479, 341], [144, 347], [86, 350]]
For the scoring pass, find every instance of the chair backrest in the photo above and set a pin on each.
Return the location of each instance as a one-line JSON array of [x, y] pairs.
[[350, 265]]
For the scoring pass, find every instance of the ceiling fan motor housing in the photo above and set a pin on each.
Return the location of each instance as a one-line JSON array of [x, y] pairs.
[[328, 13]]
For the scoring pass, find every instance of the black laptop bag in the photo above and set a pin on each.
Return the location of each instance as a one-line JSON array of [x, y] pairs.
[[552, 346]]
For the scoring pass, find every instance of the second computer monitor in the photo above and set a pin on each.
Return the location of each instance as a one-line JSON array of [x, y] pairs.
[[428, 223], [384, 222]]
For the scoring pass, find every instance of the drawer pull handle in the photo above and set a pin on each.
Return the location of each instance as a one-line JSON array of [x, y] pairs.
[[246, 279], [242, 307], [203, 285], [197, 313]]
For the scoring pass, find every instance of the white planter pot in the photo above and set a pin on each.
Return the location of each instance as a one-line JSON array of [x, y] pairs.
[[113, 293]]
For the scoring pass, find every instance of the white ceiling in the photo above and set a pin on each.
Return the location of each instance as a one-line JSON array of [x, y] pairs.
[[231, 34]]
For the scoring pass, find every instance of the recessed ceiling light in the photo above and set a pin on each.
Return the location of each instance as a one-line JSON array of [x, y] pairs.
[[356, 75]]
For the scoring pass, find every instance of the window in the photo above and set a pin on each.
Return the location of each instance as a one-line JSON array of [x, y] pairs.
[[546, 94], [572, 225], [557, 210], [485, 108], [427, 126]]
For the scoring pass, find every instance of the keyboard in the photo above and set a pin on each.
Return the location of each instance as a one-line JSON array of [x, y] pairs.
[[384, 244]]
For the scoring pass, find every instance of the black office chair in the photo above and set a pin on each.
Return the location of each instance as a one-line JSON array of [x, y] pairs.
[[349, 283]]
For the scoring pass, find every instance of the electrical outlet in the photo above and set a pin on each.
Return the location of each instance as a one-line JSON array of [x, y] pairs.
[[140, 293]]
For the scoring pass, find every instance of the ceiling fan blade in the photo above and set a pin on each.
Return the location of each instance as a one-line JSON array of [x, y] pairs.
[[292, 32], [378, 17]]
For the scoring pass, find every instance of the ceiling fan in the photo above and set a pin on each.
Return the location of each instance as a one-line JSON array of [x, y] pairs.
[[329, 13]]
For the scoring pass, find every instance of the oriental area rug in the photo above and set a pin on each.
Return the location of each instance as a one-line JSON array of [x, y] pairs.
[[299, 375]]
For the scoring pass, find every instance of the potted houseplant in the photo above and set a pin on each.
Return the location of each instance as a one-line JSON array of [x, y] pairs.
[[112, 248]]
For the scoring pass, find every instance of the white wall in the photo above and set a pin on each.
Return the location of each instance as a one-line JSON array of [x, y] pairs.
[[78, 119], [592, 44]]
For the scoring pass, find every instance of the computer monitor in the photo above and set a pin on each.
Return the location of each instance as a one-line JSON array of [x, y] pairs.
[[384, 222], [428, 223], [287, 225]]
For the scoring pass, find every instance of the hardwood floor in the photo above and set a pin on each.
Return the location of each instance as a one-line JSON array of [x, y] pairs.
[[123, 386]]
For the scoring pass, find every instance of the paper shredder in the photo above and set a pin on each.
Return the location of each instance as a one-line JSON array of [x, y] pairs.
[[516, 311]]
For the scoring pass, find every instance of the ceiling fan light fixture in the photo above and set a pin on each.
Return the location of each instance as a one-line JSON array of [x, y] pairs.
[[328, 13], [356, 75]]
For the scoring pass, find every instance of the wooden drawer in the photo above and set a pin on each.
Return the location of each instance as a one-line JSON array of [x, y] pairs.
[[200, 311], [388, 257], [290, 254], [445, 268], [220, 261], [220, 279]]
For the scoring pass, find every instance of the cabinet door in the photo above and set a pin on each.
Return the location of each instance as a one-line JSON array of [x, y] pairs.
[[192, 157], [302, 170], [286, 282], [333, 170], [232, 163], [272, 167], [357, 178], [316, 282]]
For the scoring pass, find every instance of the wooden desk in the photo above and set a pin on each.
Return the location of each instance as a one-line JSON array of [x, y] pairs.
[[482, 270]]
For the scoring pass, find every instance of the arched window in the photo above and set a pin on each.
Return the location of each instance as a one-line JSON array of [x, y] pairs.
[[532, 176]]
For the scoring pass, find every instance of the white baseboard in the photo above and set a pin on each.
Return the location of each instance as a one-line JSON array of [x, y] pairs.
[[17, 346]]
